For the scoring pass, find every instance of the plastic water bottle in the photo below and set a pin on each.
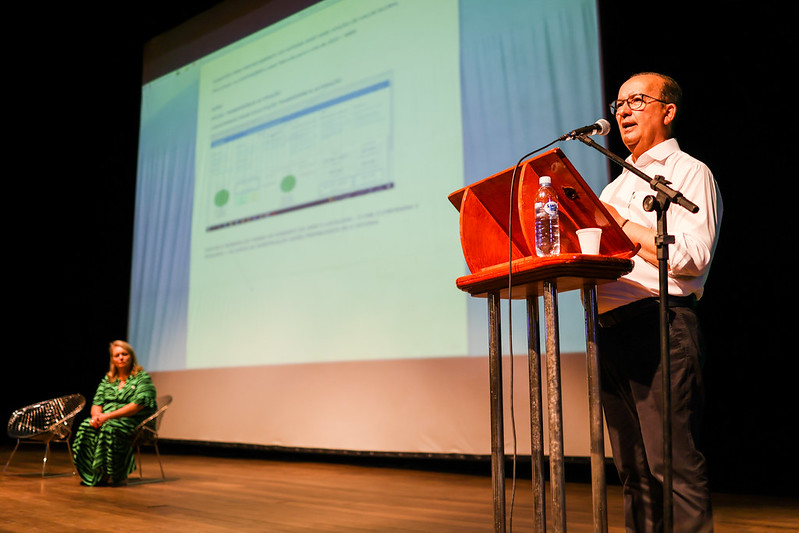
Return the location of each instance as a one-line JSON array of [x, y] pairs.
[[547, 231]]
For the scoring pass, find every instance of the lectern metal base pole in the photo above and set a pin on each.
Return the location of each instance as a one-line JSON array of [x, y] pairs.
[[556, 473], [497, 421], [598, 488], [536, 415]]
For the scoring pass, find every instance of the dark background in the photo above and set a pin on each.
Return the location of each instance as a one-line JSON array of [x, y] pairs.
[[72, 100]]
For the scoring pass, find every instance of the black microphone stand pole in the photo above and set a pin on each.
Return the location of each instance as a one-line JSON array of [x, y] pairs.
[[660, 204]]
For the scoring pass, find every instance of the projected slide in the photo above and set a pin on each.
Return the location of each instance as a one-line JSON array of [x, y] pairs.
[[292, 184], [323, 151]]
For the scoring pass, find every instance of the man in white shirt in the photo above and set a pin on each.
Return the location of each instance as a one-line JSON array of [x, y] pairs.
[[629, 334]]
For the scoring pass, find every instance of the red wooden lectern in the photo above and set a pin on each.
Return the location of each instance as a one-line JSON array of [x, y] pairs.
[[497, 221]]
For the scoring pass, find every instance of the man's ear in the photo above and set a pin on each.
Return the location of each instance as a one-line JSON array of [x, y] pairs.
[[671, 113]]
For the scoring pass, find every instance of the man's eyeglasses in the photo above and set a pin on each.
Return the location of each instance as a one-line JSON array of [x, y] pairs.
[[635, 102]]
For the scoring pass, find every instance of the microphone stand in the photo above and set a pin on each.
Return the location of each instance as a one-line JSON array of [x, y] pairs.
[[664, 196]]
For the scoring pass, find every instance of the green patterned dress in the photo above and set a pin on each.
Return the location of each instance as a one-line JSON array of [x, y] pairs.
[[105, 455]]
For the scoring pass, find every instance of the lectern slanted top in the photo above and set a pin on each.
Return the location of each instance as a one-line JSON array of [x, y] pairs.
[[489, 236]]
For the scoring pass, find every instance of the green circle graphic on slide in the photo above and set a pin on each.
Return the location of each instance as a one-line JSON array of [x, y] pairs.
[[288, 183], [221, 197]]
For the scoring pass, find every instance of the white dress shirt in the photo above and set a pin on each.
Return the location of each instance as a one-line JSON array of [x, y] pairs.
[[695, 234]]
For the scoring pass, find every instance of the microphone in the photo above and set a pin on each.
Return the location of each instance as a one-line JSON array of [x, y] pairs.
[[600, 127]]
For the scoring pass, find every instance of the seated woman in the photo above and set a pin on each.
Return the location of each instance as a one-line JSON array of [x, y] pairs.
[[103, 448]]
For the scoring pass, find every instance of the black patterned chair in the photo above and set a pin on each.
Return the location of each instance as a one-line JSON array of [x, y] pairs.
[[45, 422]]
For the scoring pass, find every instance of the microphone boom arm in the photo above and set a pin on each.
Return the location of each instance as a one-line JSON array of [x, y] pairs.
[[658, 184]]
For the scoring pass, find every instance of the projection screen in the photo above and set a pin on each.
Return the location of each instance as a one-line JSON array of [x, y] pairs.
[[295, 254]]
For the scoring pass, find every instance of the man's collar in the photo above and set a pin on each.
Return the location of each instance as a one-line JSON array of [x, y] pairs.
[[659, 152]]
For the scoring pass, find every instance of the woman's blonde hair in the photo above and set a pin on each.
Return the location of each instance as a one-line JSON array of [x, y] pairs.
[[113, 373]]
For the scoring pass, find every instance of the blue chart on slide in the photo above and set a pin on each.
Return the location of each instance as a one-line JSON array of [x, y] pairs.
[[328, 148]]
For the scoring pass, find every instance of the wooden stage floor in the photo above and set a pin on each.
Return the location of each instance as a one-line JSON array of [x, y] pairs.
[[215, 494]]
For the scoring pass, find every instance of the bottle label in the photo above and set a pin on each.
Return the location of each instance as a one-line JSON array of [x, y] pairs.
[[551, 208]]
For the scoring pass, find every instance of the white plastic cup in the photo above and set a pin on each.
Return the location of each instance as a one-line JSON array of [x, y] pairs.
[[589, 240]]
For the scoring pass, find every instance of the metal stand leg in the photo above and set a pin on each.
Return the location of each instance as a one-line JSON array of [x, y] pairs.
[[536, 415], [557, 474], [598, 489], [46, 456], [497, 421], [138, 459], [12, 456]]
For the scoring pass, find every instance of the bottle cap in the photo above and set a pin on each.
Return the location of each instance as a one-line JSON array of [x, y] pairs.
[[545, 180]]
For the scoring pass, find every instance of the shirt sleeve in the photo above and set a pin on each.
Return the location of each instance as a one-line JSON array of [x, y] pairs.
[[694, 233]]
